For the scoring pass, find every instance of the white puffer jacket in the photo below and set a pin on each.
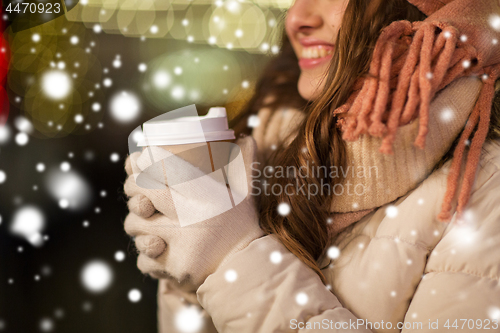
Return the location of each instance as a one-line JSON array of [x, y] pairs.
[[398, 270]]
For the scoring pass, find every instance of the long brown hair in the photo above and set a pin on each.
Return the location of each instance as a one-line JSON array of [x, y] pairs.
[[304, 230]]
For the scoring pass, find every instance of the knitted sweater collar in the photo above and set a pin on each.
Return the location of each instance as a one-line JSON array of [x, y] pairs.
[[372, 179], [411, 63]]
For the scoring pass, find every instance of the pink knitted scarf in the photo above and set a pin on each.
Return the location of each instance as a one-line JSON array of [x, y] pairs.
[[411, 63]]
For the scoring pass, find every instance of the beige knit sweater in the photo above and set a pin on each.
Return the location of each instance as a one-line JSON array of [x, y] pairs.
[[379, 178]]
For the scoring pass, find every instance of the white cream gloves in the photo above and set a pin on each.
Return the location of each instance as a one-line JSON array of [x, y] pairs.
[[213, 229]]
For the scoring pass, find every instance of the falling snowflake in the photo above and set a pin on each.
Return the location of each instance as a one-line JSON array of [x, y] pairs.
[[301, 298], [65, 166], [447, 115], [134, 295], [391, 211], [56, 84], [142, 67], [3, 176], [189, 319], [495, 22], [28, 222], [46, 325], [64, 203], [59, 313], [253, 121], [231, 275], [494, 313], [119, 255], [284, 209], [22, 139], [178, 70], [4, 134], [78, 118], [107, 82], [276, 257], [114, 157], [96, 276], [333, 252]]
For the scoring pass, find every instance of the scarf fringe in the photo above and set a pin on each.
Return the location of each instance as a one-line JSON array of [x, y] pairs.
[[411, 63]]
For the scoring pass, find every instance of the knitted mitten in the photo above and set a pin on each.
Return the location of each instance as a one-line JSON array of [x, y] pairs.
[[188, 254]]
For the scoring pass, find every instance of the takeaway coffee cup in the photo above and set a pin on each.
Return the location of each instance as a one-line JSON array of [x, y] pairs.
[[203, 141], [206, 142]]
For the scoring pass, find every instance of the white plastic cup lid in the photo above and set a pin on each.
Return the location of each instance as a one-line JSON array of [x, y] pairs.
[[184, 130]]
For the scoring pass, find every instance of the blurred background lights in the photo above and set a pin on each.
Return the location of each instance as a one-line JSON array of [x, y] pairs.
[[107, 82], [96, 107], [189, 319], [162, 79], [96, 276], [4, 134], [22, 139], [36, 37], [74, 40], [125, 106], [65, 166], [70, 186], [78, 118], [134, 295], [137, 135], [119, 256], [56, 84], [28, 222], [40, 167], [114, 157], [3, 176], [46, 325], [178, 92], [178, 70]]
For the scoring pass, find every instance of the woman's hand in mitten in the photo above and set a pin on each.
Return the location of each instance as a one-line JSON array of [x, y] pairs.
[[200, 221]]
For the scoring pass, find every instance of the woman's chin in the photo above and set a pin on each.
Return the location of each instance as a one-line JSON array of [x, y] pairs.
[[307, 91], [310, 86]]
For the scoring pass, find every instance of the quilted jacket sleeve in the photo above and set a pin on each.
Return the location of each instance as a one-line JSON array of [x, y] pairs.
[[180, 311], [460, 289], [264, 288]]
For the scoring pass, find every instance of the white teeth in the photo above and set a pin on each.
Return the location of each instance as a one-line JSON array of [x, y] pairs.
[[315, 52]]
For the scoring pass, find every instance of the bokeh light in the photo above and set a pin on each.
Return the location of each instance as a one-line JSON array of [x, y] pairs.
[[68, 185], [28, 222], [125, 106], [189, 319], [96, 276], [56, 84]]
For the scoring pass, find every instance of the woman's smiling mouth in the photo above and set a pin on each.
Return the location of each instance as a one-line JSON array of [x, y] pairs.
[[314, 54]]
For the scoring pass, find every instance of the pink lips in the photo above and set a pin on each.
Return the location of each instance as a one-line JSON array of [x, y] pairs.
[[307, 63]]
